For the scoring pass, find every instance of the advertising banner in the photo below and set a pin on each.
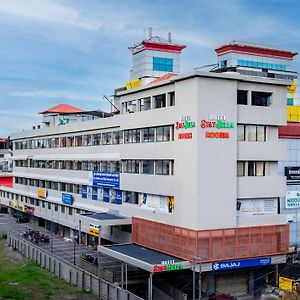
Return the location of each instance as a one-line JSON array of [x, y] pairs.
[[95, 193], [238, 264], [94, 230], [158, 203], [292, 199], [105, 179], [292, 173], [285, 284], [84, 191], [106, 195], [257, 207], [42, 193], [67, 198]]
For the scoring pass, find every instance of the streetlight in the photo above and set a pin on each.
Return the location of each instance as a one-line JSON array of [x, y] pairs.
[[74, 248]]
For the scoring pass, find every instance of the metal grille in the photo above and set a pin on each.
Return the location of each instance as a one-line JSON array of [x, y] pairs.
[[211, 245]]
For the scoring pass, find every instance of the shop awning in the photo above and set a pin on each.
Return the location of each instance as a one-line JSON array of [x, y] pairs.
[[103, 219], [145, 258]]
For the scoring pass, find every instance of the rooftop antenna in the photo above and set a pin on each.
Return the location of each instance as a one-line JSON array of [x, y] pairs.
[[170, 37], [150, 32]]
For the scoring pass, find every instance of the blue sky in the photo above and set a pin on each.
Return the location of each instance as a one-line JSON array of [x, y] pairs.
[[72, 51]]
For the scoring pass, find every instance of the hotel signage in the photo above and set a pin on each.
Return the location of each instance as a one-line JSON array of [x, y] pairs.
[[217, 122], [185, 123]]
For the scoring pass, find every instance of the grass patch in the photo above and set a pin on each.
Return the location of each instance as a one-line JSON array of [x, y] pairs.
[[24, 279]]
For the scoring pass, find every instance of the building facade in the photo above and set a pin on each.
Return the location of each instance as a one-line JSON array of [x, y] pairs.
[[189, 159]]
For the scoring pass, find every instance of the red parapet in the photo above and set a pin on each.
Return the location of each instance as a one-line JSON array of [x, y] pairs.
[[211, 245]]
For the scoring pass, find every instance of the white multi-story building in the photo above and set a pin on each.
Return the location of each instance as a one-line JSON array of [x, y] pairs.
[[191, 161]]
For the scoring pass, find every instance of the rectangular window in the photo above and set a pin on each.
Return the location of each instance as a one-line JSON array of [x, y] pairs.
[[117, 137], [160, 101], [240, 168], [131, 166], [131, 136], [78, 141], [240, 132], [145, 103], [106, 138], [256, 168], [130, 106], [63, 142], [162, 167], [116, 166], [148, 167], [70, 211], [56, 207], [163, 134], [172, 99], [242, 97], [97, 139], [70, 141], [63, 209], [261, 99], [87, 140], [256, 133], [162, 64], [105, 166], [49, 205], [131, 197], [148, 135]]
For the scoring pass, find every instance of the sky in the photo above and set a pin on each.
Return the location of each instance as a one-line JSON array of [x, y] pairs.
[[74, 51]]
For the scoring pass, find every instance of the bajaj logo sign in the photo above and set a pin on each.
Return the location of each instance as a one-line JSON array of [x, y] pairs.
[[237, 264], [224, 266]]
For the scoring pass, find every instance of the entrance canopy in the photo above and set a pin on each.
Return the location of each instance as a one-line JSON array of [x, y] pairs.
[[145, 258], [104, 219]]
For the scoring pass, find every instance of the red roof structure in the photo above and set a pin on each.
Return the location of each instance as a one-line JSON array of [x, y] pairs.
[[162, 78], [260, 50], [62, 108]]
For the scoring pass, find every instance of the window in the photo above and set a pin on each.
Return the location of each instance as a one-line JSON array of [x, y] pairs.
[[163, 64], [148, 135], [261, 99], [242, 97], [131, 136], [54, 185], [162, 167], [116, 166], [87, 140], [240, 168], [148, 167], [78, 141], [106, 138], [49, 205], [70, 141], [160, 101], [131, 197], [256, 133], [63, 142], [240, 132], [70, 211], [172, 99], [163, 133], [105, 166], [97, 139], [256, 168], [63, 209], [56, 207], [131, 166], [130, 106], [117, 137], [145, 103]]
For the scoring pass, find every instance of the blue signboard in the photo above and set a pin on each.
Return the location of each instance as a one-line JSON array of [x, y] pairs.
[[237, 264], [95, 193], [106, 179], [106, 195], [84, 191], [67, 198], [118, 197]]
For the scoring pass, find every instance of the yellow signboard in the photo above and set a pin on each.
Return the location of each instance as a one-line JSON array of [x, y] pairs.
[[13, 203], [42, 193], [286, 284], [21, 207], [94, 230], [133, 84]]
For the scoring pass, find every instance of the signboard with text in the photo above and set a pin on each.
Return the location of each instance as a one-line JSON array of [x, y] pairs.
[[292, 173], [292, 199], [238, 264], [67, 198], [105, 179]]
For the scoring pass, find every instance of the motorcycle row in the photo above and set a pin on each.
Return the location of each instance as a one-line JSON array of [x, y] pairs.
[[36, 237], [89, 258]]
